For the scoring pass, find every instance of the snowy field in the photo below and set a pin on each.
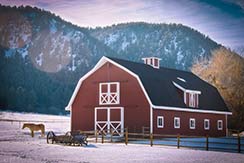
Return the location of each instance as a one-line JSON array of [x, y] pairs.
[[16, 145]]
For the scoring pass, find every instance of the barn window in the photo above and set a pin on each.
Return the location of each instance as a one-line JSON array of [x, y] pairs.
[[192, 123], [206, 124], [191, 99], [109, 93], [160, 121], [176, 122], [220, 124]]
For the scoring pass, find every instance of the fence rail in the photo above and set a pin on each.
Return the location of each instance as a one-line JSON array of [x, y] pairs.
[[232, 144]]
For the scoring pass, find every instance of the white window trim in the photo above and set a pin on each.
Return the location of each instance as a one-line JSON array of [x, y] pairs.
[[206, 128], [192, 127], [160, 126], [220, 121], [109, 93], [186, 90], [176, 118], [147, 61]]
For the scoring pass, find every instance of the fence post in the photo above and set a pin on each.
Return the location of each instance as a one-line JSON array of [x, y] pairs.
[[102, 137], [112, 132], [96, 135], [143, 132], [126, 136], [239, 142], [151, 139], [178, 141], [207, 142]]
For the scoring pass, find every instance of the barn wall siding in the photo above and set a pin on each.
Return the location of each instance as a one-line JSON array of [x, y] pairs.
[[136, 107], [184, 123]]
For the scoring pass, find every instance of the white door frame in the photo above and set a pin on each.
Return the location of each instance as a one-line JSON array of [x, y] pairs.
[[108, 123]]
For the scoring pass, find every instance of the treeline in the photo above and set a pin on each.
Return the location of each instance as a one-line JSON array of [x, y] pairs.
[[25, 88]]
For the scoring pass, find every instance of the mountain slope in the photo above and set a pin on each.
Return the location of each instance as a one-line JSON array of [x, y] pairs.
[[42, 56], [176, 45], [52, 44], [41, 59]]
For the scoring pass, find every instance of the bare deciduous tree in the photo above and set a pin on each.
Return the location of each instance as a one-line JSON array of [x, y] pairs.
[[225, 70]]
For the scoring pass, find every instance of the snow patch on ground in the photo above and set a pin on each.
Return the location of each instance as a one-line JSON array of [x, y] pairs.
[[77, 36], [16, 145], [133, 38], [111, 39], [73, 63], [124, 44], [53, 28], [23, 51], [180, 56], [202, 52], [39, 59], [174, 42], [9, 52]]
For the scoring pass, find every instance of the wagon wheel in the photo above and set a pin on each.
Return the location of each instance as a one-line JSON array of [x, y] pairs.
[[50, 137], [68, 133], [85, 140]]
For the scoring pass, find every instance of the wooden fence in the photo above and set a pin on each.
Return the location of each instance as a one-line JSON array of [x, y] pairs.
[[231, 144]]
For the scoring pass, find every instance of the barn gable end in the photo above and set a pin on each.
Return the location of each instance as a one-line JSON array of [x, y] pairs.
[[89, 112]]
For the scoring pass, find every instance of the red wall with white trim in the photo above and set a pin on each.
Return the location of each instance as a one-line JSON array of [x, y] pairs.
[[184, 123], [136, 107]]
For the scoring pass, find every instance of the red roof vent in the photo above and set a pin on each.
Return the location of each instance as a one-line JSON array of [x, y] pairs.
[[152, 61]]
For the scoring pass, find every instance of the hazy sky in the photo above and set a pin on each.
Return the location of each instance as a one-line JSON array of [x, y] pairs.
[[221, 20]]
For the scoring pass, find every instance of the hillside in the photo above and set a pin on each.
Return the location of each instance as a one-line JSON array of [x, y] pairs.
[[41, 59], [42, 56], [177, 45]]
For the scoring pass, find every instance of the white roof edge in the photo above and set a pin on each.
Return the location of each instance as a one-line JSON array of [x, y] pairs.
[[186, 90], [98, 65], [190, 110]]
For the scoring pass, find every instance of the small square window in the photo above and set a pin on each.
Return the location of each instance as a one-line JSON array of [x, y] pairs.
[[192, 123], [220, 124], [206, 124], [176, 122], [160, 122]]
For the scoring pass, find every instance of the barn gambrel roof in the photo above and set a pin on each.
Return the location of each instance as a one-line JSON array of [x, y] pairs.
[[159, 87], [162, 92]]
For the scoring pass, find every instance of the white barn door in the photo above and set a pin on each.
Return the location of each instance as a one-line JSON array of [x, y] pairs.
[[109, 119]]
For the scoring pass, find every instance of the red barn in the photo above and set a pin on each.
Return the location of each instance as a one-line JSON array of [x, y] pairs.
[[117, 93]]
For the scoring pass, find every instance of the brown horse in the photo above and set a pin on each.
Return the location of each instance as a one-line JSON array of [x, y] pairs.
[[35, 127]]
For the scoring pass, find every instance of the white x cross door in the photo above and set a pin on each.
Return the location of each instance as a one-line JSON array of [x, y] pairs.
[[109, 125]]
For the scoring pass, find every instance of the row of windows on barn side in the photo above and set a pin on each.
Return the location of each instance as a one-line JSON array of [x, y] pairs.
[[192, 123]]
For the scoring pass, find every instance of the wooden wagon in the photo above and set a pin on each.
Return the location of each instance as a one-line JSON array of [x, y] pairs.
[[69, 138]]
